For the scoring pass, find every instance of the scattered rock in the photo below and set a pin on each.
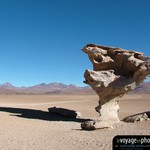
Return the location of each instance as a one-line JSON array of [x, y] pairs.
[[65, 112], [138, 117], [95, 124]]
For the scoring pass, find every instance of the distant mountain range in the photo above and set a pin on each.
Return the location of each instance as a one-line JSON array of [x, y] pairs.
[[50, 88], [59, 88], [144, 88]]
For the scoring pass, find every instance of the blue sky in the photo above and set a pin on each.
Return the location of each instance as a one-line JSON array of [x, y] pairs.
[[41, 40]]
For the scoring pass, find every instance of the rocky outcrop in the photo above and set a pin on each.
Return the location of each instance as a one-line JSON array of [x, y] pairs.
[[65, 112], [144, 116], [115, 72]]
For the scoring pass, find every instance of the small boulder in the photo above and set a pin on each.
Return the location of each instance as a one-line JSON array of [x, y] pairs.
[[95, 124]]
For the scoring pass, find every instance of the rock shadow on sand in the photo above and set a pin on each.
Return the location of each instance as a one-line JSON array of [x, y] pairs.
[[38, 114]]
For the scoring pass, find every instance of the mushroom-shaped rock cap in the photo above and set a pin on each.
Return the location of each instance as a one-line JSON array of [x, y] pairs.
[[123, 62]]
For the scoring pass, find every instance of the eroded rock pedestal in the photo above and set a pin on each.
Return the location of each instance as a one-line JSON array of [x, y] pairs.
[[115, 72]]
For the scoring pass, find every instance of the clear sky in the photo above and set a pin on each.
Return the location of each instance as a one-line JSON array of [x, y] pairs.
[[41, 40]]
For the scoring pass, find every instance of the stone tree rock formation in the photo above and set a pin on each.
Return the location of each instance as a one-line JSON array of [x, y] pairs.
[[116, 72]]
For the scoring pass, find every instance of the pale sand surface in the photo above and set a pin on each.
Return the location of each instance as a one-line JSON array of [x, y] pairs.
[[26, 124]]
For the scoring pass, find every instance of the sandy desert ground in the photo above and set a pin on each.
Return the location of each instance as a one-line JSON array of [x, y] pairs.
[[26, 123]]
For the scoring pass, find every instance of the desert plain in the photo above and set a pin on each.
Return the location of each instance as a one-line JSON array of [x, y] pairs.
[[26, 123]]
